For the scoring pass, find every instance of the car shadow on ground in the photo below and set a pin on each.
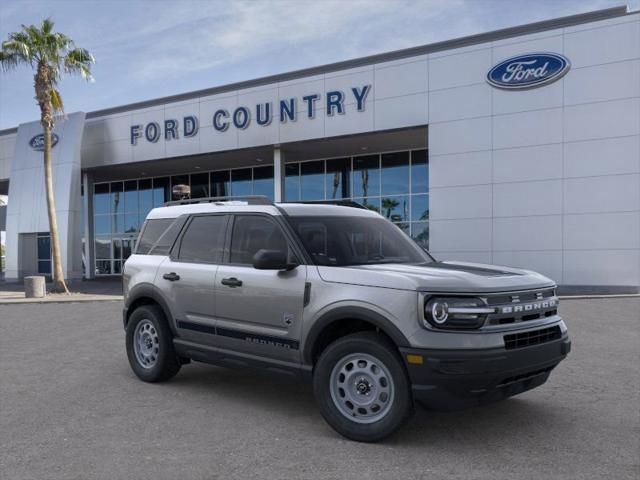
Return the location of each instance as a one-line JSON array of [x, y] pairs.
[[293, 401]]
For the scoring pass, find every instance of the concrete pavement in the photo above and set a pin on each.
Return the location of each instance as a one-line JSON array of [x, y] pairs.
[[70, 408]]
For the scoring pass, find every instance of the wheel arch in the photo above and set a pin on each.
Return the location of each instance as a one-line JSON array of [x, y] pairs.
[[326, 327], [147, 294]]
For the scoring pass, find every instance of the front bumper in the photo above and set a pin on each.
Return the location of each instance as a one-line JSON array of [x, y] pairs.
[[452, 379]]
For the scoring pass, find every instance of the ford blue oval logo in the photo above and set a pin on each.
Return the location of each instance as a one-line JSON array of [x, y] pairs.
[[37, 142], [528, 71]]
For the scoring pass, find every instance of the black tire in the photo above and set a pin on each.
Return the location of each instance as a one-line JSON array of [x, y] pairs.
[[166, 364], [400, 408]]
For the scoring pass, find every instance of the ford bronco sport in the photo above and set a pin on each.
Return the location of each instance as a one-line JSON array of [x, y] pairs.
[[341, 296]]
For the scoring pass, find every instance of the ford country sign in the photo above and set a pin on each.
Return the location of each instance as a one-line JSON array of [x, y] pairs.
[[528, 71], [37, 142]]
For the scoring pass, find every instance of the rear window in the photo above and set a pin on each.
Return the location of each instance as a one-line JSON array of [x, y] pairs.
[[158, 236]]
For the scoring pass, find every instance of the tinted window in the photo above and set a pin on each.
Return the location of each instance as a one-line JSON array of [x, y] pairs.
[[153, 229], [343, 241], [253, 233], [203, 240]]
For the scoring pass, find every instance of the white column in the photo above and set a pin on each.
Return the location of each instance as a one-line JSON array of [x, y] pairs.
[[87, 184], [278, 174]]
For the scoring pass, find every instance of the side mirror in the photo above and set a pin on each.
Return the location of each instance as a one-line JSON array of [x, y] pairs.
[[272, 260]]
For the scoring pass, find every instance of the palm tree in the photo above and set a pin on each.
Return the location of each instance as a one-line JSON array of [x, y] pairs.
[[50, 55]]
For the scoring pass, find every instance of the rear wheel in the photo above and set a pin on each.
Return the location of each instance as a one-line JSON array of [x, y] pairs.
[[150, 345], [362, 388]]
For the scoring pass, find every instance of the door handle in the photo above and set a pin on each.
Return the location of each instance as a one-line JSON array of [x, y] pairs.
[[172, 277], [231, 282]]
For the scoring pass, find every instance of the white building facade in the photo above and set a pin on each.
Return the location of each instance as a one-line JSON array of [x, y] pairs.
[[518, 147]]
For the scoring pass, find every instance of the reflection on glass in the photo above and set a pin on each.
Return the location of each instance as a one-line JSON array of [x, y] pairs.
[[103, 267], [241, 182], [145, 196], [263, 181], [117, 267], [102, 224], [337, 179], [179, 180], [117, 223], [366, 176], [419, 171], [117, 248], [419, 207], [420, 233], [312, 180], [404, 227], [396, 209], [131, 196], [131, 224], [292, 182], [199, 185], [127, 247], [220, 184], [101, 198], [116, 198], [395, 173], [370, 203], [160, 191], [103, 247]]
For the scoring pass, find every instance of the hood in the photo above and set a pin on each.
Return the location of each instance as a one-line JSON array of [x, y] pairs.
[[437, 277]]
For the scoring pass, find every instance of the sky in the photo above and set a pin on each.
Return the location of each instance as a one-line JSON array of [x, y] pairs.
[[150, 49]]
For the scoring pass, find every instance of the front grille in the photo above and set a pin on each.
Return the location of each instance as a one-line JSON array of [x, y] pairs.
[[524, 306], [534, 337]]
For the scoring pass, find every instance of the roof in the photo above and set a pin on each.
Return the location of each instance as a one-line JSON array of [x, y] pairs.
[[371, 59]]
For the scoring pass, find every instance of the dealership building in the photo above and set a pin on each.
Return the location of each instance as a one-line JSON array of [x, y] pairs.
[[516, 147]]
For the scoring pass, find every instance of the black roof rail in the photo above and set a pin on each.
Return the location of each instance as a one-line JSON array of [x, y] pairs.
[[250, 199], [341, 203]]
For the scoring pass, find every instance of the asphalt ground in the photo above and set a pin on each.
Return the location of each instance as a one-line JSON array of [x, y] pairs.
[[70, 408]]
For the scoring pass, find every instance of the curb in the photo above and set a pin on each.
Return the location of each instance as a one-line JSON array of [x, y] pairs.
[[103, 298]]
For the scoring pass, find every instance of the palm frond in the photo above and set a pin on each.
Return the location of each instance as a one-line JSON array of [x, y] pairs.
[[56, 101], [79, 61]]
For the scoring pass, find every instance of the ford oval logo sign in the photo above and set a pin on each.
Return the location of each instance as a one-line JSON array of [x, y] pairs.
[[37, 142], [528, 71]]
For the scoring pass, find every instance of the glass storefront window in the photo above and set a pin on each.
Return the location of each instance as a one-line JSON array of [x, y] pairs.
[[292, 182], [145, 198], [420, 233], [366, 176], [200, 185], [395, 173], [419, 207], [241, 182], [338, 178], [419, 171], [312, 180], [396, 208], [220, 182], [101, 198], [263, 181], [131, 196], [117, 204], [161, 191]]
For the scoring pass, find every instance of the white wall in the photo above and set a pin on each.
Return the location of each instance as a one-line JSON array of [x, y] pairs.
[[548, 178], [7, 151]]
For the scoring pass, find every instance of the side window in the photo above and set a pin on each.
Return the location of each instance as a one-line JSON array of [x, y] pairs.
[[252, 233], [203, 241], [152, 231]]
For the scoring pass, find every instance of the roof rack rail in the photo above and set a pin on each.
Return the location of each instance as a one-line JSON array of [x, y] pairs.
[[342, 203], [250, 199]]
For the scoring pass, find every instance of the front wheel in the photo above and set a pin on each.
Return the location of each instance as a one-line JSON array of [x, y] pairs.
[[362, 388], [150, 345]]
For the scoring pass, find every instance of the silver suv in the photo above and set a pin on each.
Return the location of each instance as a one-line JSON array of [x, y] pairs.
[[338, 295]]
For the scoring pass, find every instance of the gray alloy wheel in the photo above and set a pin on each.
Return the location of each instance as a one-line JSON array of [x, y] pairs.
[[362, 388], [146, 344]]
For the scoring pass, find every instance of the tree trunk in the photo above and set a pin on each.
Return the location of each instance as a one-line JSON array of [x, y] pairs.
[[59, 284]]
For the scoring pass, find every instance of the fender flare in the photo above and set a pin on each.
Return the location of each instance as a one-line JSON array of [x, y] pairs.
[[356, 313], [150, 291]]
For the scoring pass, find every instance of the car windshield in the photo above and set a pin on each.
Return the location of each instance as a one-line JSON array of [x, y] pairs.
[[354, 240]]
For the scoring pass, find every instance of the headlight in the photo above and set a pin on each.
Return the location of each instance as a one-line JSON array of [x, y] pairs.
[[455, 312]]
